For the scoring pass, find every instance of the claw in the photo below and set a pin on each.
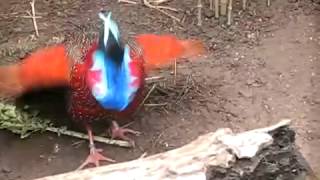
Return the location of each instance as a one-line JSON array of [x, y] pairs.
[[95, 157], [118, 132]]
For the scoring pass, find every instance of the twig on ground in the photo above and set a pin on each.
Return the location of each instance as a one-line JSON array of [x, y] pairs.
[[185, 89], [216, 8], [78, 143], [175, 72], [223, 7], [157, 7], [84, 136], [211, 4], [154, 79], [160, 8], [157, 2], [229, 12], [6, 16], [127, 1], [199, 6], [34, 17], [37, 17], [155, 105], [148, 4], [244, 4], [145, 98]]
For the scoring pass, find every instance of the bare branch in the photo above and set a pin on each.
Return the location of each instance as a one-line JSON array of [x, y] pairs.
[[34, 17]]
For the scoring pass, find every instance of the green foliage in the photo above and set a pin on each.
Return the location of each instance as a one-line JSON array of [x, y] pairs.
[[21, 121]]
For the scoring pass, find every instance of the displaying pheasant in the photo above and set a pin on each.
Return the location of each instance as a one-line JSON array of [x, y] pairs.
[[108, 81]]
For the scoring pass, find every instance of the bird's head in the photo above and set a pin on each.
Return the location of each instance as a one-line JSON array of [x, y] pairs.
[[109, 75], [109, 41]]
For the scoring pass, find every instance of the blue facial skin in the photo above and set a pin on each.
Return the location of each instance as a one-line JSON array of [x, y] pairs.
[[113, 62], [117, 82]]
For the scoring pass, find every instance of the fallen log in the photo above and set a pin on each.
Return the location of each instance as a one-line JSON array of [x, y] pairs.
[[266, 153]]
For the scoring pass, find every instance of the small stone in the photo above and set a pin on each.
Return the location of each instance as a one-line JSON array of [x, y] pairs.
[[309, 138], [294, 170], [166, 144], [56, 148], [245, 93], [6, 170]]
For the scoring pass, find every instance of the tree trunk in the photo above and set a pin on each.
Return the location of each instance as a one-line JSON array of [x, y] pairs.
[[266, 153]]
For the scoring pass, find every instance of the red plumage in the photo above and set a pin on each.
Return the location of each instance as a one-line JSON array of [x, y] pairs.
[[83, 105], [52, 66]]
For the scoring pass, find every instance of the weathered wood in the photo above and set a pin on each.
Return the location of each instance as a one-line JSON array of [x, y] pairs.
[[222, 150]]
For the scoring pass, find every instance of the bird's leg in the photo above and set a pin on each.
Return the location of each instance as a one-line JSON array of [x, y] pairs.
[[95, 154], [119, 132]]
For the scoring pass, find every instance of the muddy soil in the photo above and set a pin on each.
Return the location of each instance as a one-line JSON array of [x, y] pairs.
[[262, 68]]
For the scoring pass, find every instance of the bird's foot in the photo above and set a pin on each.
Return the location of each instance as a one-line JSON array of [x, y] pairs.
[[95, 157], [120, 133]]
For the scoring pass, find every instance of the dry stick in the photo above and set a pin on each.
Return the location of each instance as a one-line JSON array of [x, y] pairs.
[[167, 8], [216, 8], [223, 7], [157, 2], [244, 4], [8, 14], [159, 8], [169, 15], [229, 12], [147, 3], [155, 105], [175, 72], [34, 17], [154, 78], [84, 136], [145, 98], [199, 12], [268, 3], [211, 4], [127, 1], [30, 16]]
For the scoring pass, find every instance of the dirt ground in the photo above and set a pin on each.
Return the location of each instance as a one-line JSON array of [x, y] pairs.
[[261, 69]]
